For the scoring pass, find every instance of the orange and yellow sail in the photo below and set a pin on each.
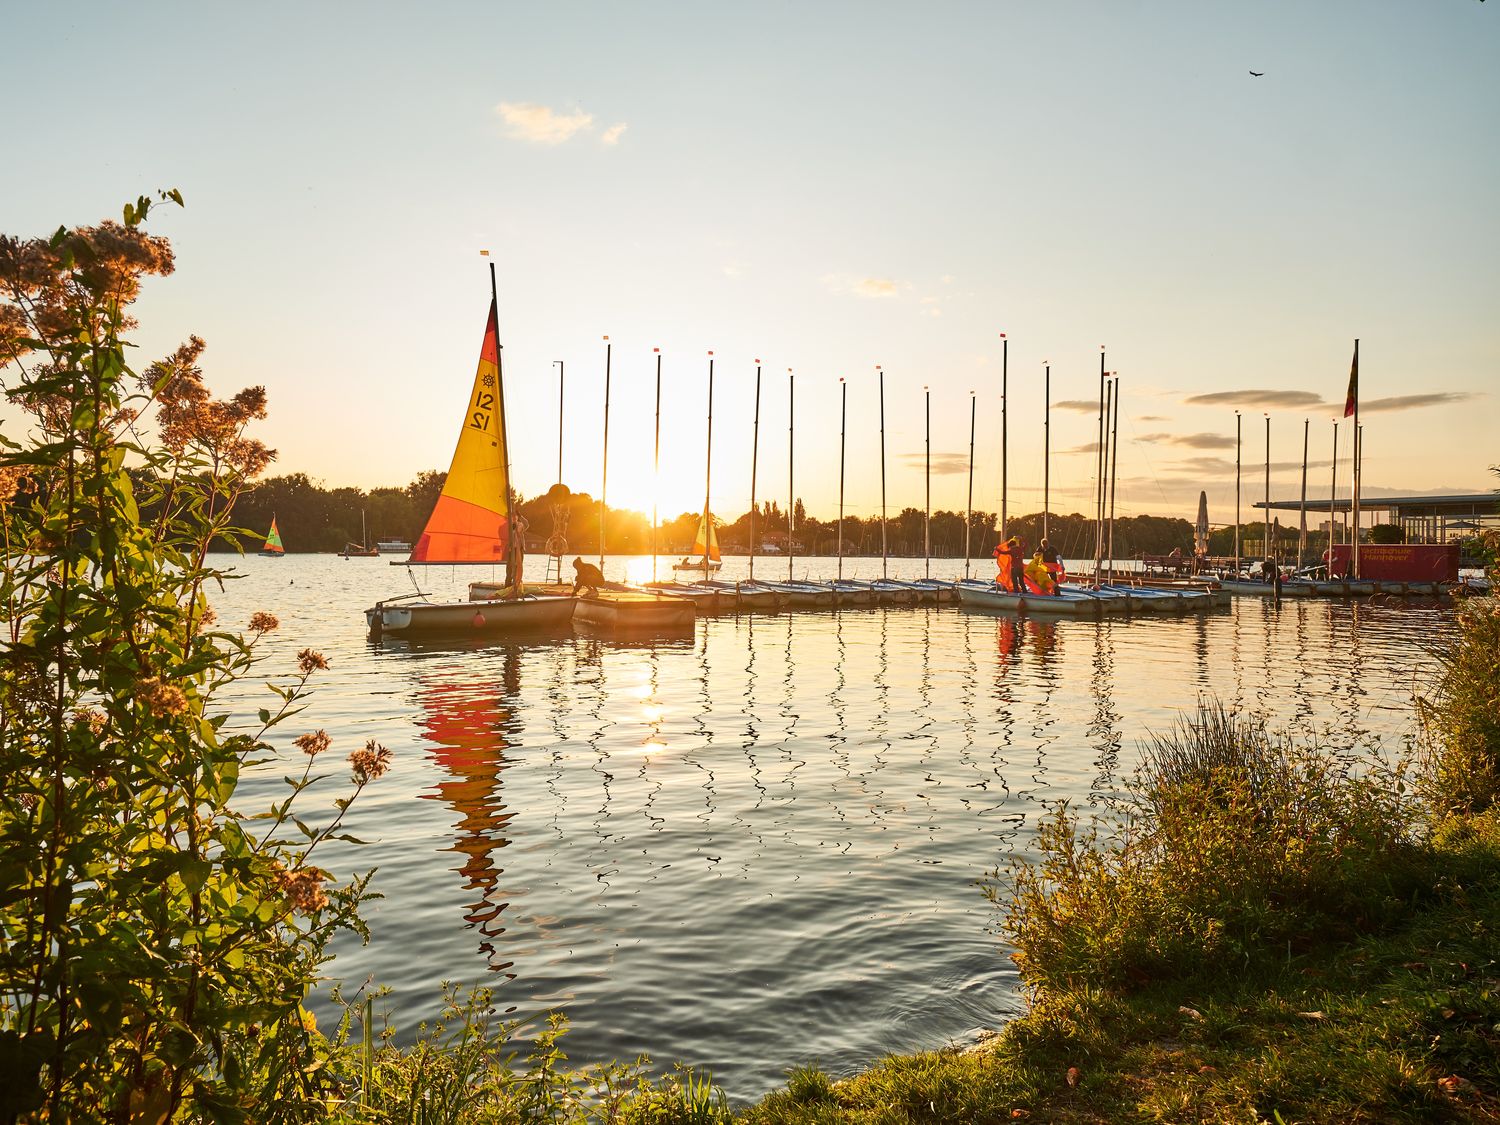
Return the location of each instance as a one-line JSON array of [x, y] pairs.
[[706, 542], [470, 522]]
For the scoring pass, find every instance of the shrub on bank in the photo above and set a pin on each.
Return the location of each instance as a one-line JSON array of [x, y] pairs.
[[1461, 717], [1238, 846]]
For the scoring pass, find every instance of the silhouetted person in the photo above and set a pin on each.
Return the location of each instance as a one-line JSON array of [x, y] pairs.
[[586, 576]]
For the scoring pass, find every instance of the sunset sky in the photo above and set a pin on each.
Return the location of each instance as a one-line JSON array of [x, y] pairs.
[[825, 187]]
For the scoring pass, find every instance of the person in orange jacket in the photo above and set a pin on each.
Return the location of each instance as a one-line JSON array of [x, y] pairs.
[[1011, 561]]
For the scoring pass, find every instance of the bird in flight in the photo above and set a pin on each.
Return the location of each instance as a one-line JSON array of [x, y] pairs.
[[1257, 74]]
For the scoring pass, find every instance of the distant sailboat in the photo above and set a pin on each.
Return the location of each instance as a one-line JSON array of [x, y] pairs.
[[471, 522], [273, 548], [362, 549], [705, 555]]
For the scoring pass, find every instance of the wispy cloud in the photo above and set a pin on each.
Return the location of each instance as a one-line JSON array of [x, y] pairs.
[[1412, 402], [1277, 400], [875, 287], [1191, 441], [1082, 405], [943, 464], [1153, 418], [1091, 447], [611, 136]]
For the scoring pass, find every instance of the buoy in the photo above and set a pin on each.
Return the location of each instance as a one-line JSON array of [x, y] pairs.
[[478, 620]]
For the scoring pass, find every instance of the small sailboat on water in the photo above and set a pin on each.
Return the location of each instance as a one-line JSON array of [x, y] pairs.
[[362, 549], [471, 523], [705, 554], [273, 548]]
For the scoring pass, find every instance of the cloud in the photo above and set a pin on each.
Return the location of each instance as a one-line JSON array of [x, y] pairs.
[[542, 124], [1191, 441], [1287, 400], [1082, 405], [943, 464], [732, 269], [875, 287], [1091, 447], [1153, 418], [1412, 402], [611, 136]]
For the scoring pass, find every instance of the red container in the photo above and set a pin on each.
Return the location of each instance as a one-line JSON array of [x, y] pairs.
[[1399, 562]]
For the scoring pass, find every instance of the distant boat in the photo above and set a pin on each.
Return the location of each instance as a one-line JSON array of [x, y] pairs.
[[362, 549], [471, 522], [392, 547], [705, 547], [273, 548]]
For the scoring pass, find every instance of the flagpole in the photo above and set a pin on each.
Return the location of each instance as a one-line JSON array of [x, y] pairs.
[[843, 421], [561, 373], [656, 468], [1302, 531], [1237, 493], [1004, 447], [604, 483], [1354, 503], [969, 508], [884, 573], [708, 470], [791, 448], [754, 459]]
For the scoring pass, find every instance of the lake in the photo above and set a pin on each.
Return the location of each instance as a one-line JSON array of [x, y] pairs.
[[761, 844]]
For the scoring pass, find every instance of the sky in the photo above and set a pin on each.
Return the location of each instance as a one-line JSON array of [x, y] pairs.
[[820, 188]]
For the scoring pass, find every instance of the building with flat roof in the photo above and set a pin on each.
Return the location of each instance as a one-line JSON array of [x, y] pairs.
[[1425, 519]]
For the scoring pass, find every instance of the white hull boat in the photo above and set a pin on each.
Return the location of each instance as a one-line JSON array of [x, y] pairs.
[[1065, 603]]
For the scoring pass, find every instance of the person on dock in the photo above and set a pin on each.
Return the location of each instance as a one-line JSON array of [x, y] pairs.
[[1010, 560], [586, 576], [1039, 578], [1054, 562], [1271, 573]]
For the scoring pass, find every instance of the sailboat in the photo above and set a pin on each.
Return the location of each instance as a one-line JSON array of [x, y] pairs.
[[273, 548], [705, 555], [471, 523], [362, 549]]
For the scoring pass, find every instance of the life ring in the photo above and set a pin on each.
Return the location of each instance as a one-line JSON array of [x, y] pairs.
[[557, 546]]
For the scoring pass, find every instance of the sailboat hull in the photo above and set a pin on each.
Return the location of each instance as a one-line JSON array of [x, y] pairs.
[[635, 611], [1065, 604], [488, 618]]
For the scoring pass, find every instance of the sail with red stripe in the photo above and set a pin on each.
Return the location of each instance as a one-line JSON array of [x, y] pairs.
[[470, 522], [706, 543]]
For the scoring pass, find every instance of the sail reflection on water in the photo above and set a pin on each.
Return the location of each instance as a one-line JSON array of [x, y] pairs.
[[469, 725]]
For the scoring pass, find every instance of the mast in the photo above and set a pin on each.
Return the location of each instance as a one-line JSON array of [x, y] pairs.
[[969, 506], [843, 420], [1098, 477], [655, 470], [754, 460], [708, 468], [1114, 476], [604, 484], [1270, 553], [561, 372], [1302, 530], [1333, 491], [927, 517], [1109, 406], [1004, 459], [791, 488], [1046, 444], [1236, 493], [1358, 457], [883, 556]]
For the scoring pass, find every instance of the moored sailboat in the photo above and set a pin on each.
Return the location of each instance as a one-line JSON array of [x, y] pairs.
[[471, 523]]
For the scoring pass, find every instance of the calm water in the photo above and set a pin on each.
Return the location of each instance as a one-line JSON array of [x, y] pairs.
[[760, 845]]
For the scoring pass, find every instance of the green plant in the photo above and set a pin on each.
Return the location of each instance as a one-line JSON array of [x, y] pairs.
[[1238, 846], [1461, 716], [156, 944]]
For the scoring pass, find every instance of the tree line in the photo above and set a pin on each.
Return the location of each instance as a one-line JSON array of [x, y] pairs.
[[315, 518]]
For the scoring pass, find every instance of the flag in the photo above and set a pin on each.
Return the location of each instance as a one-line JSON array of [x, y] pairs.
[[1351, 400]]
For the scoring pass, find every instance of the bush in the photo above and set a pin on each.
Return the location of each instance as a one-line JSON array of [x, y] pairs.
[[1238, 846], [1461, 717], [155, 945]]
